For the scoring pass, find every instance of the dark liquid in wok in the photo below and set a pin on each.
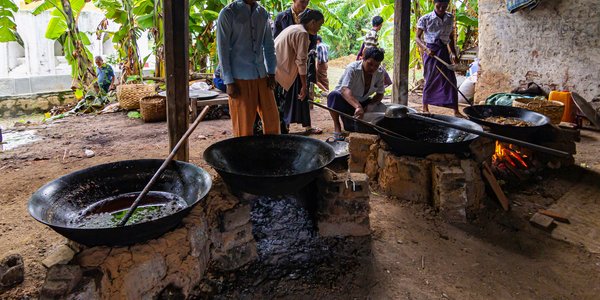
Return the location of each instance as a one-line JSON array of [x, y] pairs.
[[108, 212], [437, 134]]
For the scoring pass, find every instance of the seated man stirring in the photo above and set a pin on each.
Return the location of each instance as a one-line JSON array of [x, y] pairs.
[[361, 79]]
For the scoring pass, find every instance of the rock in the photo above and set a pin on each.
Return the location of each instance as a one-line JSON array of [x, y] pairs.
[[12, 271], [60, 256], [89, 153], [60, 281], [87, 291]]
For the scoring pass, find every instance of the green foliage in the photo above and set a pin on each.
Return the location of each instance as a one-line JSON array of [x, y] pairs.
[[8, 27]]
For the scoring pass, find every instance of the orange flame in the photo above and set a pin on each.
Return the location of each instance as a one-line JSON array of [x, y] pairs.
[[510, 155]]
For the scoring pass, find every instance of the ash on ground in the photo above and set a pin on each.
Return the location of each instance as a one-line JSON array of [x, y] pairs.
[[293, 260]]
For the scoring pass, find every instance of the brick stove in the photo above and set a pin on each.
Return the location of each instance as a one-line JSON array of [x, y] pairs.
[[453, 184], [256, 236]]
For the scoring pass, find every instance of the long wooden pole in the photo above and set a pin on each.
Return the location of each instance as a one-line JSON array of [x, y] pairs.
[[176, 43], [401, 51], [163, 167]]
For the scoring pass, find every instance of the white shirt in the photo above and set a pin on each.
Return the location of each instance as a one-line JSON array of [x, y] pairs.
[[354, 79], [435, 27]]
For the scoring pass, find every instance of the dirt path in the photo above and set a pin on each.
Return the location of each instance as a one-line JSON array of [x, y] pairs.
[[416, 255]]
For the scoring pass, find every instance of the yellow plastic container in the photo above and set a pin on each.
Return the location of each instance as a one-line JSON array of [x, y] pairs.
[[567, 100]]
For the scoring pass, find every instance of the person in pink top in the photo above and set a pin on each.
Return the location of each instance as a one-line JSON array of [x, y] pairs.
[[291, 49]]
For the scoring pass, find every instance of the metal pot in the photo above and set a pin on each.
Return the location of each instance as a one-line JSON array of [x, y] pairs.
[[60, 200], [427, 138], [269, 164], [478, 114]]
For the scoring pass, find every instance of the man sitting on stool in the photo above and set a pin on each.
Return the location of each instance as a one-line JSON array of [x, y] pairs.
[[361, 79]]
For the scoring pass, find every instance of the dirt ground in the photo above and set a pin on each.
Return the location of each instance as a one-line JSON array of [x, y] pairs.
[[415, 254]]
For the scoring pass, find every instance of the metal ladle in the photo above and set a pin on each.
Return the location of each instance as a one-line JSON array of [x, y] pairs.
[[403, 112]]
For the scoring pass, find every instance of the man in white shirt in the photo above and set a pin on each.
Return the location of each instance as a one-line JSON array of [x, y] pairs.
[[361, 80]]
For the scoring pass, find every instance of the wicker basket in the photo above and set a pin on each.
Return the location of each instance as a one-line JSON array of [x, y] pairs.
[[552, 109], [129, 95], [153, 108]]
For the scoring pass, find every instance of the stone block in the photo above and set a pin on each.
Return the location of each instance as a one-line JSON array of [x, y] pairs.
[[445, 179], [443, 158], [406, 177], [345, 207], [363, 138], [356, 185], [60, 256], [236, 257], [26, 104], [330, 229], [235, 217], [53, 100], [60, 281], [475, 184], [450, 192], [381, 154], [359, 147], [12, 271], [144, 276], [371, 167]]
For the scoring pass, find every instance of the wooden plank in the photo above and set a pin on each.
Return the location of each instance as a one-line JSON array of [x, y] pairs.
[[401, 51], [491, 179], [554, 215], [176, 41]]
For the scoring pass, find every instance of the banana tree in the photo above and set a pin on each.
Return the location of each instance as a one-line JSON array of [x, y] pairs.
[[8, 27], [203, 16], [63, 28], [122, 13], [149, 17]]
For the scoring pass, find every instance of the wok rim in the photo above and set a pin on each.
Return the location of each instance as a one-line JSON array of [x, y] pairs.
[[185, 211], [329, 147], [466, 110], [466, 140]]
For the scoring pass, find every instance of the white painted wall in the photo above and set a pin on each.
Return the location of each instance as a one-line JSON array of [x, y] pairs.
[[21, 68], [556, 45]]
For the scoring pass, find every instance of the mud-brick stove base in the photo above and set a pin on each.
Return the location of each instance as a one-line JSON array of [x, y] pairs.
[[451, 184], [223, 234]]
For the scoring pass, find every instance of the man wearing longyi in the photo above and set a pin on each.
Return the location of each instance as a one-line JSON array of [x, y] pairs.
[[245, 45]]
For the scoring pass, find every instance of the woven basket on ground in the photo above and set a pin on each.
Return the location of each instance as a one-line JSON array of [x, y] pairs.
[[153, 108], [552, 109], [129, 95]]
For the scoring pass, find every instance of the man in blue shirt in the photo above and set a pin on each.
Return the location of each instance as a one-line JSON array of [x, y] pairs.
[[245, 45], [106, 76]]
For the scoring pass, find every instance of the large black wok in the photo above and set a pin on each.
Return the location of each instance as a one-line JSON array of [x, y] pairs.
[[269, 164], [478, 113], [59, 201], [427, 138]]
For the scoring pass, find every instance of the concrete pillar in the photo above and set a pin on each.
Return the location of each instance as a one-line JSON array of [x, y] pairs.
[[3, 59], [32, 55]]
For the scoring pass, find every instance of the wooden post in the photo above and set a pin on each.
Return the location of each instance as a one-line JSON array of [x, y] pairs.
[[401, 51], [176, 43]]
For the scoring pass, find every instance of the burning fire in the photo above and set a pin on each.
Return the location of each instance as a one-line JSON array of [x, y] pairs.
[[511, 155]]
